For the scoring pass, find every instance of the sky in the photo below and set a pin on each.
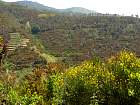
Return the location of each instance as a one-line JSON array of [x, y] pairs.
[[122, 7]]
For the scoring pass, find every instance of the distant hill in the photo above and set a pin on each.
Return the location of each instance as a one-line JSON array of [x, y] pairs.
[[41, 7], [78, 10], [35, 5]]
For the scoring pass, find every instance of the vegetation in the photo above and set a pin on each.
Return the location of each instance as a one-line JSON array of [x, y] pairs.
[[113, 82], [55, 58]]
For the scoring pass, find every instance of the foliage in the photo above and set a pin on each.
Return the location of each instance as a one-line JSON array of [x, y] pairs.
[[1, 42], [115, 81], [8, 66], [45, 16], [35, 29]]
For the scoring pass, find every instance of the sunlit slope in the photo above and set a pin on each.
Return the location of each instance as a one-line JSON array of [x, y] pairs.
[[40, 49]]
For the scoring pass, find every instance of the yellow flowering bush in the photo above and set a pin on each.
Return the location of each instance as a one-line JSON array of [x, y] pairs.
[[114, 81], [83, 81], [126, 69]]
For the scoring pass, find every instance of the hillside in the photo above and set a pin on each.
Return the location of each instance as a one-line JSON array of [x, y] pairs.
[[48, 57], [77, 10], [75, 38], [40, 7], [15, 31], [79, 38], [35, 5]]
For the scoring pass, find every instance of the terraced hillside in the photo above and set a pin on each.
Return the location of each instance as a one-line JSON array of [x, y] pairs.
[[78, 38], [16, 50], [74, 38], [24, 54]]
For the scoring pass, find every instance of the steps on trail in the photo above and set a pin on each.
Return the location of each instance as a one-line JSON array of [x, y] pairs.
[[20, 54], [16, 41], [24, 42]]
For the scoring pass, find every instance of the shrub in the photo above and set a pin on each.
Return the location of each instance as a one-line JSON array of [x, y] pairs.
[[115, 82], [80, 83], [35, 29], [125, 67]]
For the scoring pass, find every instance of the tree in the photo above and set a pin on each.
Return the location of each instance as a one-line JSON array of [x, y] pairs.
[[35, 29], [28, 27]]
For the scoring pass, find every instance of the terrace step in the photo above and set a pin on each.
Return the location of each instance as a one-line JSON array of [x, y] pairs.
[[17, 42]]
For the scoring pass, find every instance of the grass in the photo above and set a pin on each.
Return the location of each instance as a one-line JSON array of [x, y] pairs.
[[39, 48]]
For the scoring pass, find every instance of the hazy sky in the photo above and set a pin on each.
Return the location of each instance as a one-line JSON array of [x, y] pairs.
[[126, 7]]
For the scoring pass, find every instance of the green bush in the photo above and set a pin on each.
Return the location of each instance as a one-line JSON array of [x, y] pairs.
[[35, 29]]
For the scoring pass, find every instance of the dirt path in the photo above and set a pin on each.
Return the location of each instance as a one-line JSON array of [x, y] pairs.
[[48, 57]]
